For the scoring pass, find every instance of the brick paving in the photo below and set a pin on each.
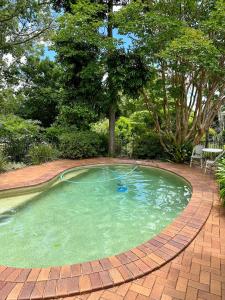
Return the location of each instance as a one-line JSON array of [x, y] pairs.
[[195, 272]]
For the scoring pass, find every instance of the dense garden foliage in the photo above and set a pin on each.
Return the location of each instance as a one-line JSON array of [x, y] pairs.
[[145, 80], [221, 179]]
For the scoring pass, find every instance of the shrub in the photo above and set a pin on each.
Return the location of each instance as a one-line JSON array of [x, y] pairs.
[[101, 127], [180, 153], [147, 146], [220, 174], [53, 133], [17, 135], [42, 153], [3, 162], [82, 144], [142, 120]]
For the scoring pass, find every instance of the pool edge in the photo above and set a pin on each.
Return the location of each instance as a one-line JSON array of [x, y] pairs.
[[135, 263]]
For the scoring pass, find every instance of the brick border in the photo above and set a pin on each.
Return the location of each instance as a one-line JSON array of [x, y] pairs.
[[56, 282]]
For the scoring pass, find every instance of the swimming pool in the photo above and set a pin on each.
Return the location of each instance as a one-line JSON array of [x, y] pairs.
[[91, 213]]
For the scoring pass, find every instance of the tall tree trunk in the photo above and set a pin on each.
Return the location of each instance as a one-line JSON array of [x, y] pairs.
[[112, 110]]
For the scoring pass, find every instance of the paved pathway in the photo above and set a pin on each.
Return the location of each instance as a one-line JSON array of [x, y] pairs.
[[198, 272]]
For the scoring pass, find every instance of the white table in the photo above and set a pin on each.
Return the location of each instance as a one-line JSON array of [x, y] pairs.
[[212, 150]]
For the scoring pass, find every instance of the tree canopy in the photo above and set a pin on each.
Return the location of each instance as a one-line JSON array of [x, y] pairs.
[[182, 42], [173, 67]]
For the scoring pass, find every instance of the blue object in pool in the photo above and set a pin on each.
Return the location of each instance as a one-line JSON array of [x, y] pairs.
[[122, 189]]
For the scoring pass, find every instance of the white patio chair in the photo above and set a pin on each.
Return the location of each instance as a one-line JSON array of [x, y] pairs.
[[209, 164], [197, 154]]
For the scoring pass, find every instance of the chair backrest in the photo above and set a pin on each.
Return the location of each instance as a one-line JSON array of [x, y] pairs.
[[197, 150]]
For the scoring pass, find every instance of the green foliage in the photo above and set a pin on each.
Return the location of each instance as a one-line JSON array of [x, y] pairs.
[[82, 144], [3, 162], [43, 90], [194, 50], [21, 23], [18, 20], [53, 133], [141, 121], [78, 116], [41, 153], [179, 153], [10, 101], [183, 47], [148, 145], [129, 105], [128, 71], [78, 44], [17, 135], [223, 136], [98, 70], [220, 174], [134, 135], [212, 132], [101, 126], [123, 129]]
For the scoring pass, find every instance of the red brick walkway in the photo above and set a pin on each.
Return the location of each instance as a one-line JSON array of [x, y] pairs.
[[198, 272]]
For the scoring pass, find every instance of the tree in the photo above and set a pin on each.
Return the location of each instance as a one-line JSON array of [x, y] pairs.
[[183, 45], [87, 54], [22, 23], [41, 88], [10, 101]]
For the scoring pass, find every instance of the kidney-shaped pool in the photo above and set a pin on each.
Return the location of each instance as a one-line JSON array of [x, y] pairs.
[[92, 212]]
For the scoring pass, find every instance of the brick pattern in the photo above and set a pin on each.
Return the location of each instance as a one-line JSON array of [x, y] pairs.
[[179, 273]]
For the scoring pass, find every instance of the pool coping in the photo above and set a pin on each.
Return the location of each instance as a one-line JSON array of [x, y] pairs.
[[70, 280]]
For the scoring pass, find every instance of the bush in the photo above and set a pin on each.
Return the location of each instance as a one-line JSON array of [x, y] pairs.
[[220, 174], [82, 144], [148, 146], [17, 135], [142, 120], [42, 153], [135, 137], [101, 127], [3, 162], [53, 133], [180, 153]]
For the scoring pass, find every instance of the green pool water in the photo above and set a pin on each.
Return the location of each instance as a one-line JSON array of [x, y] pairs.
[[93, 213]]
